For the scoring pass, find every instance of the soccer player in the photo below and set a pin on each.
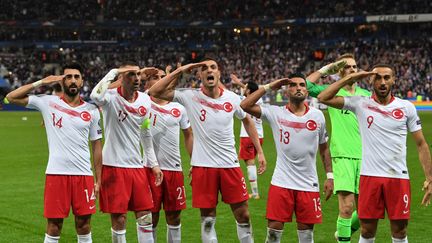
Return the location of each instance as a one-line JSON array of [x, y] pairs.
[[345, 145], [298, 132], [211, 110], [166, 120], [247, 149], [70, 123], [124, 184], [384, 122]]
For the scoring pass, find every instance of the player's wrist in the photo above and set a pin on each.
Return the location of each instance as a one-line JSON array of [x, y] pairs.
[[329, 175], [37, 84]]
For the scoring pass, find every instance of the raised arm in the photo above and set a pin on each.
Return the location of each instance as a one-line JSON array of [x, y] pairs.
[[236, 81], [249, 103], [326, 160], [164, 88], [250, 128], [98, 92], [328, 96], [20, 95], [328, 69], [425, 161]]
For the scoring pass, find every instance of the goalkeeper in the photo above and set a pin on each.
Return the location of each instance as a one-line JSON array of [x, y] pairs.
[[345, 145]]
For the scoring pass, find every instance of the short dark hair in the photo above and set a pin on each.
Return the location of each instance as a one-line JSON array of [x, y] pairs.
[[210, 57], [297, 75], [73, 65], [128, 63], [345, 55], [384, 65], [252, 86]]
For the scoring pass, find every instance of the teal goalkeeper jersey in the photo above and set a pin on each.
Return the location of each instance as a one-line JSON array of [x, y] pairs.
[[345, 140]]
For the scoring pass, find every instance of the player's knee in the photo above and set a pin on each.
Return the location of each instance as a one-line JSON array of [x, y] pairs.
[[367, 233], [145, 220], [173, 219], [346, 210], [54, 227]]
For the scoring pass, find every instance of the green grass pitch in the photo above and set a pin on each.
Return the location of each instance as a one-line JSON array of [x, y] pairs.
[[23, 158]]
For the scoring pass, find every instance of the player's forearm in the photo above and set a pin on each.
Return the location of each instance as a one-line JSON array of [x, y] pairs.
[[425, 160], [164, 88], [314, 77], [325, 157], [188, 139], [98, 92], [97, 159], [253, 134], [331, 91], [147, 143]]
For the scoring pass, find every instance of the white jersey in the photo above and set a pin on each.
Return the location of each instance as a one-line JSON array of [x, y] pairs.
[[212, 124], [122, 123], [165, 124], [257, 121], [383, 129], [296, 139], [68, 131]]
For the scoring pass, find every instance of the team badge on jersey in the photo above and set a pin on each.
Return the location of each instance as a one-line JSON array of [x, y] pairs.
[[228, 107], [142, 111], [397, 113], [175, 112], [85, 116], [311, 125]]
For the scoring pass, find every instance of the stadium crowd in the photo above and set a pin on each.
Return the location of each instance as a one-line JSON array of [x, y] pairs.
[[202, 10], [254, 60]]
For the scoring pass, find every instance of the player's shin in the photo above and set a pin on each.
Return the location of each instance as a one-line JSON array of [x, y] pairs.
[[305, 236], [253, 179], [244, 232], [208, 232], [273, 235], [118, 236], [51, 239], [85, 238], [174, 233], [145, 229], [343, 227], [355, 222]]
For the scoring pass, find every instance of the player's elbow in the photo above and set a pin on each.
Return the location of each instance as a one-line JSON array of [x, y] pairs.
[[244, 105], [10, 98], [320, 98]]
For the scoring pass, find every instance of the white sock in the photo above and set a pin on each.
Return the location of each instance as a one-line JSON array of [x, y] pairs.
[[118, 236], [85, 238], [404, 240], [305, 236], [154, 234], [208, 232], [174, 233], [244, 232], [51, 239], [273, 235], [364, 240], [145, 233], [253, 179]]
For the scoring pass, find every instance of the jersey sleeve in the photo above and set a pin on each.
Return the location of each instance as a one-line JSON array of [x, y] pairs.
[[323, 135], [95, 126], [315, 89], [184, 120], [37, 102], [180, 96], [351, 102], [413, 120]]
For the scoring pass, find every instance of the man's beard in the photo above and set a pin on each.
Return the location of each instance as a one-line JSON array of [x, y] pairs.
[[70, 93]]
